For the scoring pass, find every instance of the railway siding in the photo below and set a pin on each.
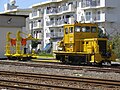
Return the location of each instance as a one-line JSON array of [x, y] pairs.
[[55, 81], [33, 72]]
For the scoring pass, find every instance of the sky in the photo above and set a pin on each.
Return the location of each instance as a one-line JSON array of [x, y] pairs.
[[20, 3]]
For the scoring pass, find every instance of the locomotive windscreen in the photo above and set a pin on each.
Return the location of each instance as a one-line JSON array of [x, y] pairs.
[[102, 46]]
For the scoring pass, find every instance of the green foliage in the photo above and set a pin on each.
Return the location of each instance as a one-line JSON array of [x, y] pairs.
[[116, 44], [34, 44], [45, 54]]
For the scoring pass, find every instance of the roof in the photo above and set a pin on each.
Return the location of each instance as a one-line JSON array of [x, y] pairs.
[[46, 2], [14, 15], [17, 10]]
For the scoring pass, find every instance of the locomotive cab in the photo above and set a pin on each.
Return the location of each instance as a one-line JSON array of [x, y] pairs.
[[73, 34]]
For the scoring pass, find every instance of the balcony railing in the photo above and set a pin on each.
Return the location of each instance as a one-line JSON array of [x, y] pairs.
[[37, 25], [61, 9], [56, 22], [36, 15], [103, 17], [52, 11], [90, 3], [56, 35]]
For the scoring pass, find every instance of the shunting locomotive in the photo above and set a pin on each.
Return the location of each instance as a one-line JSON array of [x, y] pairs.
[[83, 43]]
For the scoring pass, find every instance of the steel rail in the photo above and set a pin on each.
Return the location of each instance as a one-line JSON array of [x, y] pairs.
[[34, 84], [59, 66], [86, 68], [65, 78]]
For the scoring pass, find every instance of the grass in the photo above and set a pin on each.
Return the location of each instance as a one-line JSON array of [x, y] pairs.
[[47, 55]]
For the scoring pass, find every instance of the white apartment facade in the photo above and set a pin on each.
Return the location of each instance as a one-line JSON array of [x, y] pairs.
[[48, 20], [49, 17]]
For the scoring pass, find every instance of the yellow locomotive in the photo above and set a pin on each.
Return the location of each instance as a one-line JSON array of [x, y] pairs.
[[83, 43]]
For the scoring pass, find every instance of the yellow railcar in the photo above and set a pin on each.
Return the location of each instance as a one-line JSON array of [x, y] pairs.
[[84, 43], [18, 45]]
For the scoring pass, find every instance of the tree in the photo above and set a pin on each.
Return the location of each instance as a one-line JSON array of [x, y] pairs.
[[116, 44]]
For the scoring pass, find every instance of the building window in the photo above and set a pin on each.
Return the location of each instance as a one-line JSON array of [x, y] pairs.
[[34, 32], [87, 3], [82, 3], [93, 3], [88, 16], [35, 24], [34, 13], [39, 20], [98, 15], [98, 2], [47, 35], [39, 9], [39, 42], [70, 3], [51, 30], [37, 31]]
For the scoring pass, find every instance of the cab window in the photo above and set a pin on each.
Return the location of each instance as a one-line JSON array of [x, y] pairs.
[[71, 29], [86, 29], [66, 30], [77, 28], [94, 29]]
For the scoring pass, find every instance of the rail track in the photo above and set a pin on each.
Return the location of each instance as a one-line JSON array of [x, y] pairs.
[[32, 81], [115, 69], [32, 86]]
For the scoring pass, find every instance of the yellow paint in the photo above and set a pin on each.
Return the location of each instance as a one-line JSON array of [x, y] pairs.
[[18, 47]]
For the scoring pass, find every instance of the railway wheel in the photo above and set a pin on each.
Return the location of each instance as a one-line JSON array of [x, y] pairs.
[[62, 59], [57, 57], [12, 58]]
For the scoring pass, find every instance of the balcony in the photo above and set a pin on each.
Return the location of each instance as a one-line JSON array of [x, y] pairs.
[[57, 35], [89, 4], [37, 14], [56, 23], [37, 25], [105, 17], [59, 23], [61, 10], [52, 11], [97, 4]]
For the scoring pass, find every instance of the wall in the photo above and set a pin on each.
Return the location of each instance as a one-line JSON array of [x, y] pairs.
[[9, 23]]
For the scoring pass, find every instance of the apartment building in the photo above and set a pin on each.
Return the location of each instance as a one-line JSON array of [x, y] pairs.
[[104, 12], [49, 17]]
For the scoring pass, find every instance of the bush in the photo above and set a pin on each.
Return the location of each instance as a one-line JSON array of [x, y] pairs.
[[116, 44]]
